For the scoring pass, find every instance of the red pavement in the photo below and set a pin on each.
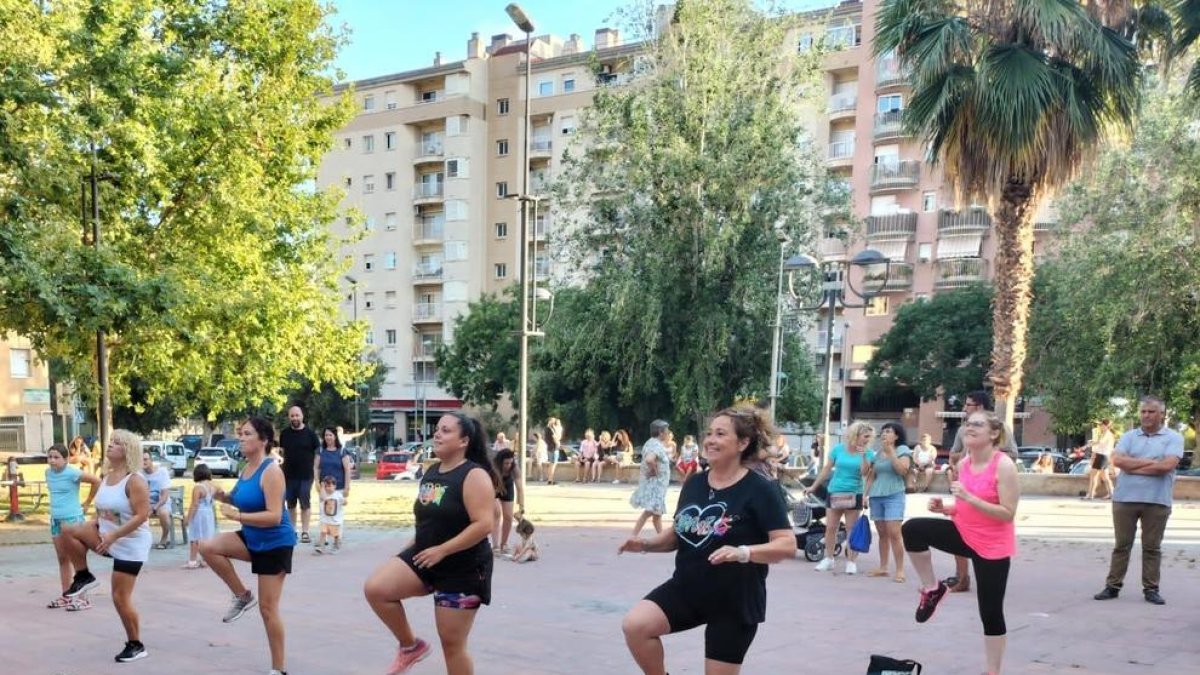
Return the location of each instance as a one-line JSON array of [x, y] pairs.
[[563, 613]]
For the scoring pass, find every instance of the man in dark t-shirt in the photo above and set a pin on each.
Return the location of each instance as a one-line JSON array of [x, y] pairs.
[[300, 447]]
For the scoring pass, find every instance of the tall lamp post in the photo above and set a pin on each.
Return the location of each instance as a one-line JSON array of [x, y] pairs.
[[777, 334], [835, 282], [521, 19], [91, 187], [354, 285]]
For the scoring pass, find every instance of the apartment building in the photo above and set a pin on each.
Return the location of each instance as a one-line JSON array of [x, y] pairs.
[[27, 423], [907, 214], [432, 162]]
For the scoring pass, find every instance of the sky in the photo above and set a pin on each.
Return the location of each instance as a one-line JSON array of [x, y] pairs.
[[389, 36]]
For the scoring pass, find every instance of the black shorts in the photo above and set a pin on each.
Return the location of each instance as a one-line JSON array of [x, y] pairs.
[[271, 561], [509, 496], [725, 640], [1099, 462], [298, 490], [473, 581], [129, 567]]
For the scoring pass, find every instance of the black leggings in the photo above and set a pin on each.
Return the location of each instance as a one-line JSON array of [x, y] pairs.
[[991, 575]]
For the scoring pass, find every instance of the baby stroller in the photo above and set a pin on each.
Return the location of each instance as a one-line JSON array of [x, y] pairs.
[[808, 522]]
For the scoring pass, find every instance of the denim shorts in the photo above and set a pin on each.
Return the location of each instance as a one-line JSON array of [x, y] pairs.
[[888, 507], [56, 524]]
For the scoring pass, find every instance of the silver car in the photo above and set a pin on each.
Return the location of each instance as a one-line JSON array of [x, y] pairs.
[[218, 461]]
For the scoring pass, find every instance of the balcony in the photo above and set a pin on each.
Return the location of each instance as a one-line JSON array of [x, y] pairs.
[[540, 148], [892, 226], [895, 176], [841, 153], [425, 351], [429, 152], [427, 312], [1045, 227], [889, 125], [888, 73], [832, 248], [844, 36], [428, 193], [428, 272], [429, 230], [843, 105], [959, 272], [817, 343], [540, 228], [899, 278], [970, 221], [541, 270], [430, 96]]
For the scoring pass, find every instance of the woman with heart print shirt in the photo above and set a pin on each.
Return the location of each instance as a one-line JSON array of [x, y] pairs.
[[730, 523]]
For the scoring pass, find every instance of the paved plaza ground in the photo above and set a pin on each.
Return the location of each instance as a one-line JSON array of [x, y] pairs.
[[563, 614]]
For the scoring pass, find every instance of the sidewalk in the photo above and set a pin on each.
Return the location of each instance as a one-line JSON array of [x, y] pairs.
[[563, 614]]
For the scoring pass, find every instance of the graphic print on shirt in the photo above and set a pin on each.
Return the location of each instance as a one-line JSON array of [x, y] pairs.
[[696, 525], [331, 506], [109, 515], [431, 493]]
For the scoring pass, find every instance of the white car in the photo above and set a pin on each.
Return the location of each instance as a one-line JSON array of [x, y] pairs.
[[171, 452], [217, 460]]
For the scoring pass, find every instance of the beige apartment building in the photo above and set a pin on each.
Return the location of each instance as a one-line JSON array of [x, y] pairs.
[[27, 423], [432, 160]]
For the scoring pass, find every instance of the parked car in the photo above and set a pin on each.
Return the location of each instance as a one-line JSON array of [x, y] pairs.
[[218, 461], [232, 446], [392, 464], [173, 453], [193, 442], [1028, 454]]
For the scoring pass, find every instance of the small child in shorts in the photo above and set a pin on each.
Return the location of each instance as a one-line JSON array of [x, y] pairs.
[[332, 515]]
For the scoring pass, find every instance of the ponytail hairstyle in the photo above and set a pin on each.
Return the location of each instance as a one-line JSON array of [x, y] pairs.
[[265, 432], [130, 443], [477, 445], [749, 423], [498, 464]]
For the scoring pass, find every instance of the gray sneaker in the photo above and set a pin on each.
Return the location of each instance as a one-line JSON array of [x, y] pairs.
[[238, 607]]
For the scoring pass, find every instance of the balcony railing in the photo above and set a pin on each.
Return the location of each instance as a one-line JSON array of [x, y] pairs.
[[892, 175], [819, 344], [889, 124], [427, 311], [427, 271], [971, 220], [892, 226], [430, 96], [832, 248], [841, 150], [429, 151], [843, 103], [429, 229], [429, 190], [540, 227], [888, 73], [540, 146], [541, 271], [425, 350], [845, 36], [959, 272], [899, 278]]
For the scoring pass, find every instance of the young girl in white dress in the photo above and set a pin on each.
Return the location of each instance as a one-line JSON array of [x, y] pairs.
[[201, 518]]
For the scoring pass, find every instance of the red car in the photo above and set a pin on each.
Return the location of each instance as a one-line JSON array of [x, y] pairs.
[[392, 464]]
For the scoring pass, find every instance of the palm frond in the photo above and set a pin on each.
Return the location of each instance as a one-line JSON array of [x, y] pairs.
[[1186, 14], [1021, 88]]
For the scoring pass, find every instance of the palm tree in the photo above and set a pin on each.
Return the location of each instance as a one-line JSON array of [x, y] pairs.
[[1013, 97], [1187, 29]]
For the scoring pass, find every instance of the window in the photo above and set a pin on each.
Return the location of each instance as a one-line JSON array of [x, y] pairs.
[[568, 84], [368, 143], [890, 103], [502, 189], [456, 125], [455, 250], [877, 306], [805, 43], [369, 223], [862, 353], [456, 209], [390, 337], [349, 220], [424, 371], [568, 125], [502, 106], [545, 88], [389, 221], [924, 252], [19, 362], [368, 300], [389, 299], [368, 184], [369, 338], [500, 270], [389, 260], [348, 142], [349, 182], [502, 147], [929, 202], [429, 96], [389, 180], [368, 261], [368, 103], [389, 140], [457, 167], [389, 99], [501, 230]]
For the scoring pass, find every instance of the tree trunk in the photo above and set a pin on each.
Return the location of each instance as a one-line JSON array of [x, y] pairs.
[[1013, 281]]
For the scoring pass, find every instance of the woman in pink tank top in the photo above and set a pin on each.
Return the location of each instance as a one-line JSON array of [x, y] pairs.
[[980, 528]]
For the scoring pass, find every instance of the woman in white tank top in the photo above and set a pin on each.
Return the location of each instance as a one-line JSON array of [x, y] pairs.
[[119, 531]]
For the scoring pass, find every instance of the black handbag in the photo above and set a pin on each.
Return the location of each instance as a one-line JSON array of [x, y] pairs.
[[886, 665]]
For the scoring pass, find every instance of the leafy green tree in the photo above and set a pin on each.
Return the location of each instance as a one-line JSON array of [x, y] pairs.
[[675, 200], [1012, 98], [213, 280], [942, 344], [483, 362]]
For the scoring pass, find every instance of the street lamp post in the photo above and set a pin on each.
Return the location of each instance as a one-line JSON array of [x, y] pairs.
[[777, 334], [91, 185], [354, 285], [835, 281], [521, 19]]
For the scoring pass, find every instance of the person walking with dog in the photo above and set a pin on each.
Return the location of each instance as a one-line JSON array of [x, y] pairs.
[[845, 472], [730, 524]]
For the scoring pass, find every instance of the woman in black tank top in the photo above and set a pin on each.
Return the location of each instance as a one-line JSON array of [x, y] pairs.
[[449, 554], [510, 489]]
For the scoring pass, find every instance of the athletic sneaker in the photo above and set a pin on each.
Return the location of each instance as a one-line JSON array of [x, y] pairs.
[[79, 604], [133, 651], [851, 567], [929, 601], [238, 607], [406, 657], [84, 582], [825, 565], [277, 672]]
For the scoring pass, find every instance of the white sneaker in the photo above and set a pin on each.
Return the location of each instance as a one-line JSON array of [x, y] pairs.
[[825, 565], [851, 567]]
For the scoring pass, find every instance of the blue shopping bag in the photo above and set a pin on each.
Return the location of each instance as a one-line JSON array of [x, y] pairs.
[[860, 536]]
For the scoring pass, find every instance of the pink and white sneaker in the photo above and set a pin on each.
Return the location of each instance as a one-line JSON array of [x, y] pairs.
[[407, 657]]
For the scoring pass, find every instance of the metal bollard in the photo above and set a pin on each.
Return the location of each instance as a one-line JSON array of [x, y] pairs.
[[14, 502]]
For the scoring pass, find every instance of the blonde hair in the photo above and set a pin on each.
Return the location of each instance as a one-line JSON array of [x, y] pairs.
[[854, 431], [128, 441], [995, 424], [605, 437]]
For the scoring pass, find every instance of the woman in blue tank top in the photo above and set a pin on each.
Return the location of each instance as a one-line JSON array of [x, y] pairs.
[[266, 539]]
